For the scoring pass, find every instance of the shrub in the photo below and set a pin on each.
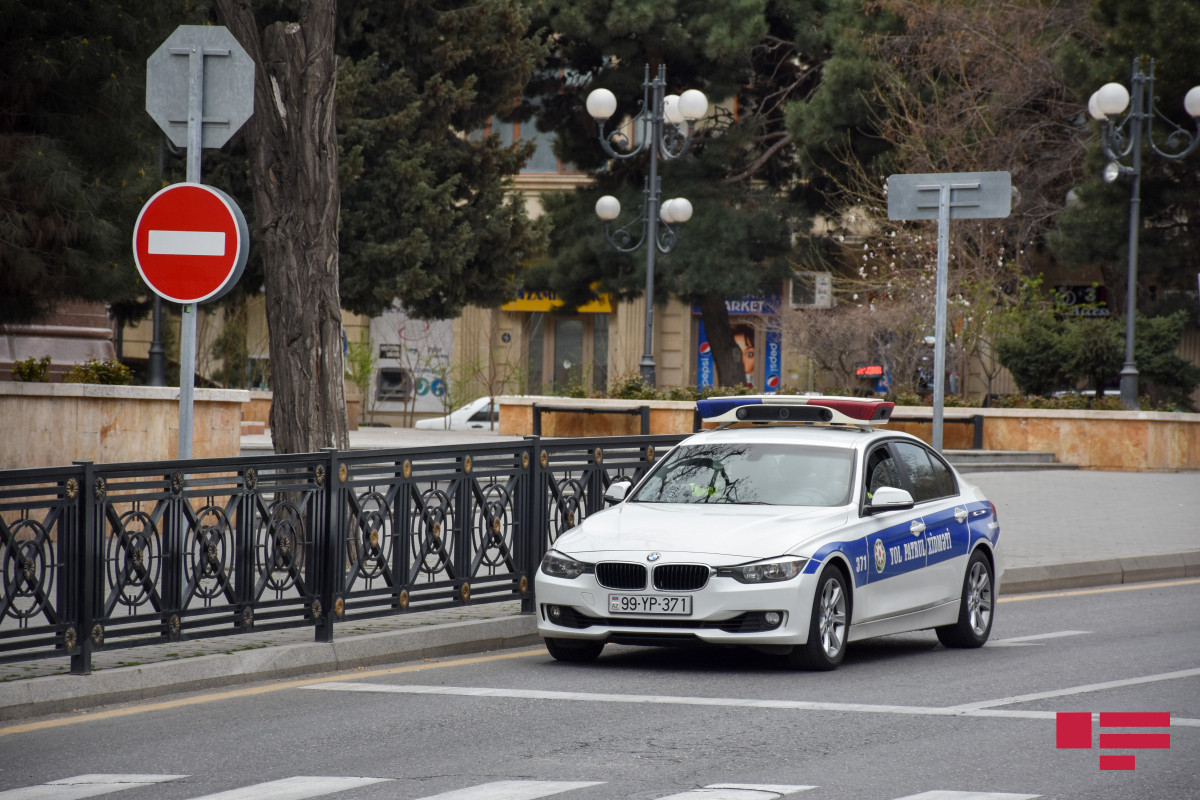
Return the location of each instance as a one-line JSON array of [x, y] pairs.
[[32, 370], [1164, 376], [106, 371], [632, 387], [1036, 355]]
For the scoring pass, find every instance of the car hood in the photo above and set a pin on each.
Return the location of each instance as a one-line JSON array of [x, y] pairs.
[[730, 533]]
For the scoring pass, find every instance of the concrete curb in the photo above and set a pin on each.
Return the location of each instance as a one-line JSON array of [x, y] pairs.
[[63, 693], [1107, 572]]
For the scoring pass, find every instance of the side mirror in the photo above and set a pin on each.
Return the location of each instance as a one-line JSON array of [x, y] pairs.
[[618, 489], [889, 498]]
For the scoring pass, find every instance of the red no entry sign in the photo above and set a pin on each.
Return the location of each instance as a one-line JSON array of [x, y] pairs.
[[190, 243]]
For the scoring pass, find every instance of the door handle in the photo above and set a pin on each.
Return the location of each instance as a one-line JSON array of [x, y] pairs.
[[917, 527], [960, 515]]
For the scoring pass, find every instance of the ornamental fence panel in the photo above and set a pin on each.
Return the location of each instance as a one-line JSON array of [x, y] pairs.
[[121, 555]]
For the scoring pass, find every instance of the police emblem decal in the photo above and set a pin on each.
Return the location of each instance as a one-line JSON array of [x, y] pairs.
[[880, 555]]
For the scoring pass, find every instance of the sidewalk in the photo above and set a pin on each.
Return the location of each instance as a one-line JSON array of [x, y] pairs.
[[1059, 530]]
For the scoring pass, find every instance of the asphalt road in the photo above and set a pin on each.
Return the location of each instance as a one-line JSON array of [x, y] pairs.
[[902, 718]]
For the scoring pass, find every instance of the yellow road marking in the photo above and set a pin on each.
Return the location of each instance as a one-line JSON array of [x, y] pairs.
[[1125, 587], [349, 675]]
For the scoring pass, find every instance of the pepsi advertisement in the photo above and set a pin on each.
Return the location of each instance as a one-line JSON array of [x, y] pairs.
[[744, 336]]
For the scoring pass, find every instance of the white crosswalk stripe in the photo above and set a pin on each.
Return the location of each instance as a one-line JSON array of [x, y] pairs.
[[512, 790], [297, 788], [82, 786], [302, 787], [945, 795], [739, 791]]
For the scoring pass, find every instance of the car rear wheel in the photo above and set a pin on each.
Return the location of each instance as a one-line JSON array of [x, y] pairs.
[[574, 649], [975, 611], [828, 626]]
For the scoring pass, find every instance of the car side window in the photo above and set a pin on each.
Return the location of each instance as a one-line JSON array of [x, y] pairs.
[[930, 478], [485, 414], [881, 471]]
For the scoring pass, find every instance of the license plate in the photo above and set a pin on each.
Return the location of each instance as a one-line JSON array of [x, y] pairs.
[[649, 604]]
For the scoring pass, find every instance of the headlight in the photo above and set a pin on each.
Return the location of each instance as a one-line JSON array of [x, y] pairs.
[[558, 565], [777, 569]]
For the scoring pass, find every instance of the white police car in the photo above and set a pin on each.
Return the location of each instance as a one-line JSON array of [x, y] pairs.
[[790, 538]]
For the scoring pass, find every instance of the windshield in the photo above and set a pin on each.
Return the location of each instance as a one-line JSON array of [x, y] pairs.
[[771, 474]]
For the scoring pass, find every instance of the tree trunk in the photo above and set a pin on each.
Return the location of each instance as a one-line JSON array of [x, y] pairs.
[[292, 141], [715, 314]]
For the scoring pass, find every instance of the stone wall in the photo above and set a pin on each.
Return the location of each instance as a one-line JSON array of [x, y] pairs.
[[572, 416], [1115, 440], [54, 424], [256, 414]]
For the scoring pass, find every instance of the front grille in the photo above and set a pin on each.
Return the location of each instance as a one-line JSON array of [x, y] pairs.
[[615, 575], [749, 622], [680, 577]]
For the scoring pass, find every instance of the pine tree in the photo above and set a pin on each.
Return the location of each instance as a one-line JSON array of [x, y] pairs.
[[1095, 230], [77, 150], [428, 217]]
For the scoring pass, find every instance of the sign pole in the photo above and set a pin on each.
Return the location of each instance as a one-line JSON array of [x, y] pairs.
[[939, 323], [187, 334], [960, 195], [169, 234]]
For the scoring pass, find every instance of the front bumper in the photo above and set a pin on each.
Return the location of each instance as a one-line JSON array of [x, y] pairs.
[[724, 611]]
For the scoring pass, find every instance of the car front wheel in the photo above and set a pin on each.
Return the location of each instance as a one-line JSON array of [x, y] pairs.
[[975, 610], [828, 626], [574, 649]]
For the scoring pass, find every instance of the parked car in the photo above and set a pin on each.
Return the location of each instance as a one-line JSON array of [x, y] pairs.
[[794, 539], [483, 413]]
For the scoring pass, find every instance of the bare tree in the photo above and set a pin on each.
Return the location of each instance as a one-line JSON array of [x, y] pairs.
[[293, 165], [971, 87], [857, 332]]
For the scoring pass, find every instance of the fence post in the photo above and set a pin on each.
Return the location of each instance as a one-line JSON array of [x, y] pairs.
[[460, 533], [84, 577], [172, 537], [531, 534], [243, 550], [328, 540], [977, 422]]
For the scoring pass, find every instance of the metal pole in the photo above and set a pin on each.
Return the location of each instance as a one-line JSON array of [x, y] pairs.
[[1129, 373], [939, 325], [187, 333], [652, 192], [158, 373]]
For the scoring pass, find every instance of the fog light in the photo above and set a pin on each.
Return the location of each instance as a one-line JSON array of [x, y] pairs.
[[773, 618], [555, 613]]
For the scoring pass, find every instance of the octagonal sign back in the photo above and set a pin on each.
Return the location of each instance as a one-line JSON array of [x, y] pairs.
[[228, 81]]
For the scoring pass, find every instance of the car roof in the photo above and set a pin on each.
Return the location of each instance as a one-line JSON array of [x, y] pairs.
[[837, 436]]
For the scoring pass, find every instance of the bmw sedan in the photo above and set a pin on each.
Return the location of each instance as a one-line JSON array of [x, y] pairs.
[[795, 527]]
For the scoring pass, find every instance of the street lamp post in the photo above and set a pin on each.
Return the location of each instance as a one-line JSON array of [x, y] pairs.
[[1122, 138], [664, 141]]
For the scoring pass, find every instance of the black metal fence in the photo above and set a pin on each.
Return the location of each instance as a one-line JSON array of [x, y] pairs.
[[120, 555]]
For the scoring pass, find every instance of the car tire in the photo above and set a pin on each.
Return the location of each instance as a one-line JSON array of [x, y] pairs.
[[975, 609], [827, 627], [577, 650]]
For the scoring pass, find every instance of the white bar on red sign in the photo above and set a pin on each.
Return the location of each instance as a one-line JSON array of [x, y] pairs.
[[186, 243]]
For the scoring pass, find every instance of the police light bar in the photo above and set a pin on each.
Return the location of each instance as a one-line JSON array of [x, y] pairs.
[[796, 408]]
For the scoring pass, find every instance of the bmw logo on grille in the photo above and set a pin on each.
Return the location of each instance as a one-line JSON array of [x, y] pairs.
[[653, 557]]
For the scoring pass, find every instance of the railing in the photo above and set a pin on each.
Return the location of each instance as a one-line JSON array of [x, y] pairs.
[[121, 555]]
